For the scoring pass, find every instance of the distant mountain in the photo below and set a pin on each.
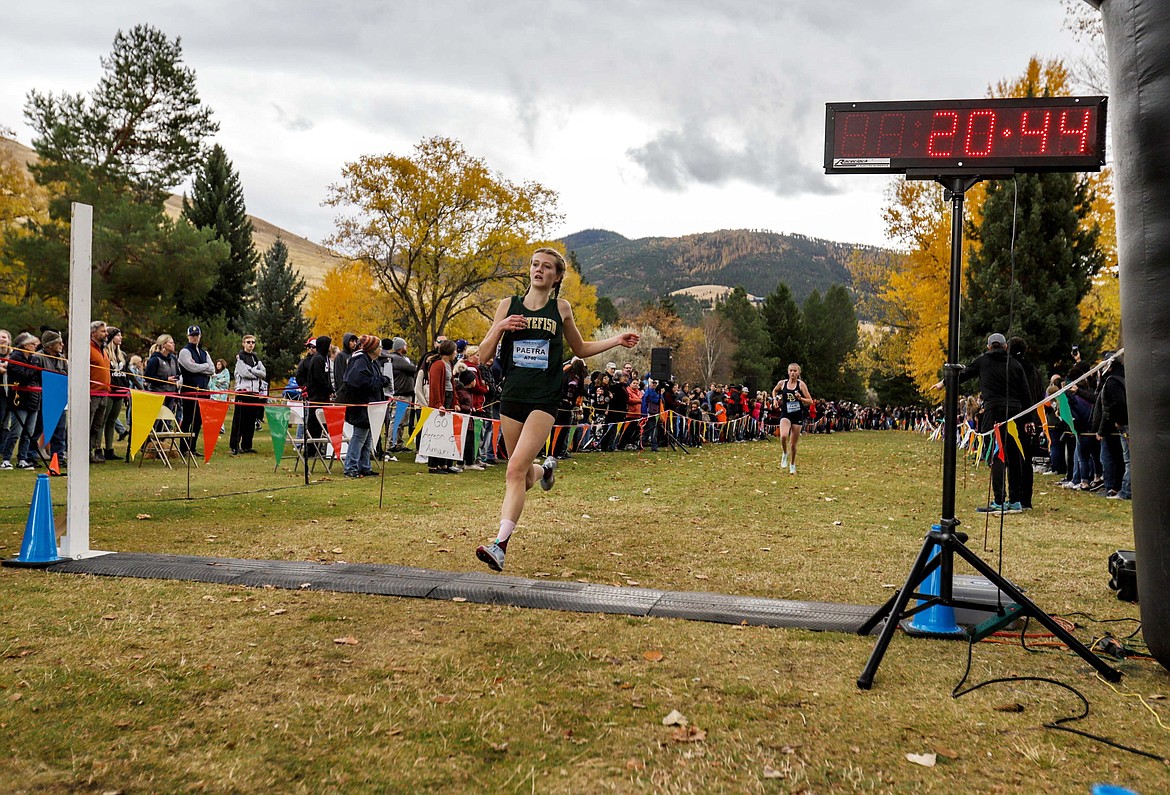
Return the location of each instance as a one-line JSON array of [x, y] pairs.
[[309, 259], [634, 271]]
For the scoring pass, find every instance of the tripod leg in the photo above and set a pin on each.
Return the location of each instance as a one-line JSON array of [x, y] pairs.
[[1030, 608], [895, 608]]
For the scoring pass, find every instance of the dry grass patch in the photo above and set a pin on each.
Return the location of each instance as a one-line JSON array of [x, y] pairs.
[[138, 685]]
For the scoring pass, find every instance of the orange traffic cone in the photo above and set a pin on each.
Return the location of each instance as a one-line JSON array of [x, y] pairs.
[[54, 466], [40, 539]]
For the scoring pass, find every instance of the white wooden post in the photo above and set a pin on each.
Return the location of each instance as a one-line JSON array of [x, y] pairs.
[[75, 544]]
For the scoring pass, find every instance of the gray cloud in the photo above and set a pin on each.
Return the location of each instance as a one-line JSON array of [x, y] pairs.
[[291, 122]]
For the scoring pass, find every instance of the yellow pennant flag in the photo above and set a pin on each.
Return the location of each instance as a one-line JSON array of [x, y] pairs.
[[1014, 433], [423, 414], [144, 410]]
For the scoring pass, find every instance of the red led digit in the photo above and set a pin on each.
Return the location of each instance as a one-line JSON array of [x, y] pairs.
[[1034, 141], [949, 126], [890, 132], [1080, 134], [852, 138], [983, 137]]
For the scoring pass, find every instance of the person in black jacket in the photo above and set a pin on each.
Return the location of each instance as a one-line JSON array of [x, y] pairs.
[[364, 384], [318, 388], [1113, 431], [1029, 424], [1003, 388], [24, 381]]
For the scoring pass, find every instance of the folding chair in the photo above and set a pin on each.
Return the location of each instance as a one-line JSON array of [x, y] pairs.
[[294, 435], [165, 437], [324, 443]]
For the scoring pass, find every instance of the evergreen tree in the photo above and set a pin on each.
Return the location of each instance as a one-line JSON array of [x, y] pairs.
[[607, 313], [751, 363], [119, 150], [277, 313], [831, 336], [217, 203], [785, 328], [1034, 291]]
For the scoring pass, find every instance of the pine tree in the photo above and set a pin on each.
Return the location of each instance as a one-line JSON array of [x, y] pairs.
[[276, 315], [785, 328], [607, 313], [217, 203], [751, 363], [120, 150], [1032, 291], [830, 325]]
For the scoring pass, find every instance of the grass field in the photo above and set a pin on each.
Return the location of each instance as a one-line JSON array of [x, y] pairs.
[[122, 685]]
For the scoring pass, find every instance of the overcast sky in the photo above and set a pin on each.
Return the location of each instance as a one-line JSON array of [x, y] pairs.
[[648, 117]]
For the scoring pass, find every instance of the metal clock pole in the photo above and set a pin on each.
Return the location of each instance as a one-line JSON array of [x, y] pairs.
[[945, 536]]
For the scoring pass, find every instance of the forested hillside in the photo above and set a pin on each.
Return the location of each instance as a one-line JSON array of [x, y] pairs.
[[634, 271]]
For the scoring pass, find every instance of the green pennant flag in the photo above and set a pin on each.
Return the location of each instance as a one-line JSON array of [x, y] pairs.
[[1063, 409], [277, 417], [477, 435]]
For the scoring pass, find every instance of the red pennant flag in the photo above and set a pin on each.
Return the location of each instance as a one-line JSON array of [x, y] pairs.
[[213, 413], [999, 444], [335, 424]]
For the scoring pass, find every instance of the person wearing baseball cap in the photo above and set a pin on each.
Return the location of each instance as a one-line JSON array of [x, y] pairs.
[[1003, 388], [196, 368]]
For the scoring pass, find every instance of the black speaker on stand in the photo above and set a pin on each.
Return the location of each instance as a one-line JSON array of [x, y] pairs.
[[660, 364]]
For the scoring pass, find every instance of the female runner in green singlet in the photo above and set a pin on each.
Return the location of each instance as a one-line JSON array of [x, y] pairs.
[[531, 333]]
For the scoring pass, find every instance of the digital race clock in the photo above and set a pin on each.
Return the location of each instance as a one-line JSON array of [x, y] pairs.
[[965, 136]]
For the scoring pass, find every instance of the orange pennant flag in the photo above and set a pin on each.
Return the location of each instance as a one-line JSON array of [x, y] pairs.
[[557, 431], [213, 412], [335, 424], [495, 437], [457, 421], [999, 444]]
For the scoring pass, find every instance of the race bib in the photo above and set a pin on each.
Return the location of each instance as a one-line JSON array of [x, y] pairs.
[[793, 406], [532, 354]]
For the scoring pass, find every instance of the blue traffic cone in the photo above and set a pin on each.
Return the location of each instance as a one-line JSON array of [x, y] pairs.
[[40, 539], [939, 620]]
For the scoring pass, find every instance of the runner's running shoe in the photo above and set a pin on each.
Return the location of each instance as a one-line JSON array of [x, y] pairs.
[[492, 555], [550, 475]]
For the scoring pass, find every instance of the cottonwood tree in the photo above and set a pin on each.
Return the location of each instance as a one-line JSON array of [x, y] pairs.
[[436, 228]]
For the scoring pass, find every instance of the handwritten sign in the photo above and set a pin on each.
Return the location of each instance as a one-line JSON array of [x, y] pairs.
[[437, 437]]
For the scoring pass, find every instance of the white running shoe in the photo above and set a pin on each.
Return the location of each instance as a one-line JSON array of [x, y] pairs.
[[550, 474], [792, 469], [784, 460]]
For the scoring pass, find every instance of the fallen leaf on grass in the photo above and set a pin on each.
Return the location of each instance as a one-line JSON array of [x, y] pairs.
[[946, 752], [443, 699], [542, 574], [653, 656], [459, 599], [305, 585], [615, 499], [926, 760], [772, 772], [633, 582], [1011, 706], [110, 617], [635, 764], [280, 611], [701, 577], [688, 734], [1156, 697], [675, 718], [144, 516], [15, 697], [336, 550], [646, 490], [499, 747], [348, 640]]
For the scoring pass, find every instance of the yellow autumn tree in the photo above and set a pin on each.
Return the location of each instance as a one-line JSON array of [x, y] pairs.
[[438, 230], [1101, 308], [23, 203], [350, 299]]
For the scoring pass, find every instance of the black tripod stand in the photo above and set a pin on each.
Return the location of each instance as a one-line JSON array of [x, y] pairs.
[[944, 536]]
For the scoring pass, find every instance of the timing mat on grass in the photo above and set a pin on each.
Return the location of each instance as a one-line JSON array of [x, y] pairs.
[[480, 587]]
